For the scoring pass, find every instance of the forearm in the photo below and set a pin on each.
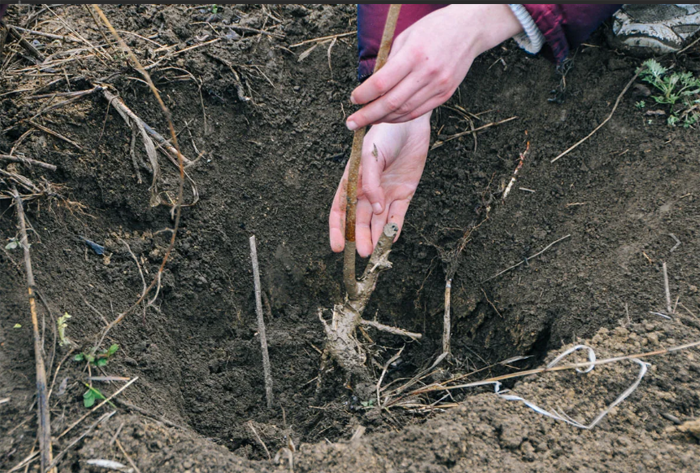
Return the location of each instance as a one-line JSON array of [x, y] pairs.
[[495, 24]]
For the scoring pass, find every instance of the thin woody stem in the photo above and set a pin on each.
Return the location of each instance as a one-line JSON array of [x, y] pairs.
[[44, 415], [349, 274]]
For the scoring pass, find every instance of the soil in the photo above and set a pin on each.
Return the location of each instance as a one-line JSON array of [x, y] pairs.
[[269, 167]]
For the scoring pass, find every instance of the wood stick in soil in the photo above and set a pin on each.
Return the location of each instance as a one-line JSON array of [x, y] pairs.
[[261, 323], [447, 323], [667, 290], [44, 416], [27, 161], [349, 275]]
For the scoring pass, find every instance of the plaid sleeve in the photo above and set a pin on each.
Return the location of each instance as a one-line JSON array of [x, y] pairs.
[[370, 26], [565, 26]]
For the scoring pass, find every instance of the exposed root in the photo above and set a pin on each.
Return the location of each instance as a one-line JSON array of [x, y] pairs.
[[341, 342]]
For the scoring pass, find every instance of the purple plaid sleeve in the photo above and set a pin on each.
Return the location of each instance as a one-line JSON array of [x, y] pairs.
[[565, 26]]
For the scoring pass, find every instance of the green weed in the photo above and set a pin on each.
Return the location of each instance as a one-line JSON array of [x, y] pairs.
[[99, 359], [93, 395], [679, 90]]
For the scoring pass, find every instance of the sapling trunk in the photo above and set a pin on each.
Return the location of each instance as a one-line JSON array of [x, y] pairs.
[[349, 275], [341, 342]]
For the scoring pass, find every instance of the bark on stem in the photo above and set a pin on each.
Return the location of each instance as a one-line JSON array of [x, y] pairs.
[[349, 274], [44, 415], [340, 332]]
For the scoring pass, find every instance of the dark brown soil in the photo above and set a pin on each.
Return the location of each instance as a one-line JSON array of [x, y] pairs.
[[269, 167]]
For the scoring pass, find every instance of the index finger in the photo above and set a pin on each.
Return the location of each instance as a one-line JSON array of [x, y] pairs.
[[395, 70], [336, 219]]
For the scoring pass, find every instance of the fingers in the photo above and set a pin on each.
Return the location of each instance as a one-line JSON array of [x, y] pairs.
[[363, 231], [378, 222], [336, 219], [397, 213], [372, 168], [394, 214], [395, 101], [383, 81], [428, 106]]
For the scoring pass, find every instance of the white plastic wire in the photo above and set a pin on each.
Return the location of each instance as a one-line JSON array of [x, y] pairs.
[[562, 416]]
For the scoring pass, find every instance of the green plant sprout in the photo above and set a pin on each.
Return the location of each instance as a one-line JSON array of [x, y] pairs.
[[640, 104], [93, 395], [679, 90], [214, 8], [100, 359], [62, 324]]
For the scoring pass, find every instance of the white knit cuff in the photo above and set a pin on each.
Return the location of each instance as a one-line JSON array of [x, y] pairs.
[[531, 38]]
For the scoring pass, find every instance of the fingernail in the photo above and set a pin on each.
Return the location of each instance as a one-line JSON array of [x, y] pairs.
[[352, 126], [377, 208], [352, 100]]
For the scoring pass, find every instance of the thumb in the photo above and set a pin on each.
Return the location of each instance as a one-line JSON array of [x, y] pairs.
[[372, 169]]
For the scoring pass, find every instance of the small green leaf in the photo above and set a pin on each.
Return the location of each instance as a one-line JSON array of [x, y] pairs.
[[112, 350], [89, 357], [91, 395], [101, 362], [17, 326], [79, 357], [88, 399]]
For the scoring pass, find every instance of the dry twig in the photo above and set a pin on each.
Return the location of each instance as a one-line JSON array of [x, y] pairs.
[[470, 132], [177, 208], [447, 323], [612, 112], [43, 413], [667, 290], [27, 161], [261, 323], [528, 258]]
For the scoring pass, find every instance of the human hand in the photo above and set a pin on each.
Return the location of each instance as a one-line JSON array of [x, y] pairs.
[[429, 60], [393, 157]]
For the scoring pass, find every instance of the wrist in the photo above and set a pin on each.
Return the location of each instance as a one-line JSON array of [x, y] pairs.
[[487, 25]]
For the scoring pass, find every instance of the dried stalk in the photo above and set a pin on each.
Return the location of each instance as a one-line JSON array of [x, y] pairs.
[[667, 290], [177, 209], [25, 44], [261, 323], [132, 120], [44, 416], [27, 161], [447, 323], [526, 260]]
